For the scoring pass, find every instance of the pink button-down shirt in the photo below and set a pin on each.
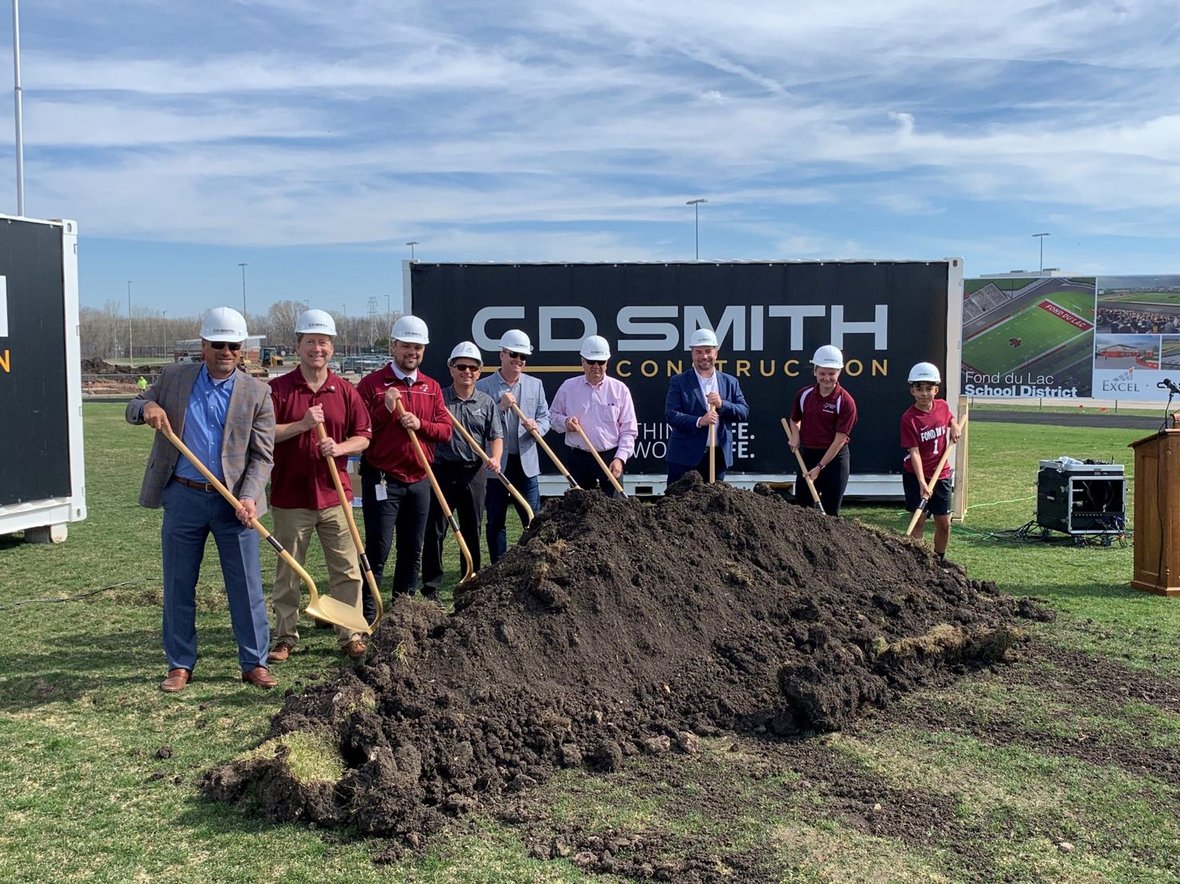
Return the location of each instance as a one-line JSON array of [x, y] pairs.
[[606, 413]]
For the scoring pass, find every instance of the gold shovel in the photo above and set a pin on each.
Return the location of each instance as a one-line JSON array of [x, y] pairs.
[[324, 607], [322, 434], [516, 495], [803, 468], [937, 472], [549, 451], [452, 520], [598, 457]]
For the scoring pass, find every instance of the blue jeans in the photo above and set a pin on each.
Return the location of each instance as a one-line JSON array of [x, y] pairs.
[[190, 516], [497, 503]]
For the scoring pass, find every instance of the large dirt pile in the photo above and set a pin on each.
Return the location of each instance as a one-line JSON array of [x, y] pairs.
[[619, 627]]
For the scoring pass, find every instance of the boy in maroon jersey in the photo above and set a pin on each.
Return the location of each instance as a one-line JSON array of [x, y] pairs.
[[927, 428]]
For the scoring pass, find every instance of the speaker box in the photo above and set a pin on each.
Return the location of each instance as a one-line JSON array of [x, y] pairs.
[[1081, 498]]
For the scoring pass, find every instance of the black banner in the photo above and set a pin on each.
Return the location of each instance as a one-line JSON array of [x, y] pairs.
[[35, 448], [769, 318]]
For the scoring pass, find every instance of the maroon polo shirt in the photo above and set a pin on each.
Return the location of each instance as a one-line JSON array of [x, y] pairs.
[[300, 478], [391, 449], [823, 417]]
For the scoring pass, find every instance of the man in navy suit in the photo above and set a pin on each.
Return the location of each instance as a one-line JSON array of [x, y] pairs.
[[688, 412]]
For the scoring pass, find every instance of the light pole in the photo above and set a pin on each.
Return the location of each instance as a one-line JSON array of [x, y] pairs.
[[130, 346], [411, 244], [243, 266], [164, 334], [1041, 237], [696, 225], [18, 110]]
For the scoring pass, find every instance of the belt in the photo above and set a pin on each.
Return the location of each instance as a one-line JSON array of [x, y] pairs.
[[196, 486]]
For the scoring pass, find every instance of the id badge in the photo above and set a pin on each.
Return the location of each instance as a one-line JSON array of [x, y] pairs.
[[380, 492]]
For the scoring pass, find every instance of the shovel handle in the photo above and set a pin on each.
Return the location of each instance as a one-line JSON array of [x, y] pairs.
[[346, 504], [544, 447], [946, 453], [803, 471], [598, 457], [712, 450], [470, 440], [468, 567], [237, 505]]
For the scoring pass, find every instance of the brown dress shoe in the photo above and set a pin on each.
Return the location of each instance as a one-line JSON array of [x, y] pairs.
[[176, 681], [355, 649], [280, 653], [260, 677]]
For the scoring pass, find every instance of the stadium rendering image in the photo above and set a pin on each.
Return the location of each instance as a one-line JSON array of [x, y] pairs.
[[1028, 336]]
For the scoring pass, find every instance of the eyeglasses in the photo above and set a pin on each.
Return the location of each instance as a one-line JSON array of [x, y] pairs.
[[596, 362], [523, 357], [465, 367], [221, 345]]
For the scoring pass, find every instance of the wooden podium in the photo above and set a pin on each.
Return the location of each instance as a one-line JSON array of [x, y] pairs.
[[1157, 513]]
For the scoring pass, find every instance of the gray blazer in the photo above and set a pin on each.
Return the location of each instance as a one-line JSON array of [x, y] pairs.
[[533, 403], [247, 449]]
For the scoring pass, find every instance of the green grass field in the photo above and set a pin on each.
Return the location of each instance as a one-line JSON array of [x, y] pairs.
[[1041, 331], [98, 780]]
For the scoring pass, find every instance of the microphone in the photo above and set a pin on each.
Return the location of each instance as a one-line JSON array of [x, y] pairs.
[[1166, 384]]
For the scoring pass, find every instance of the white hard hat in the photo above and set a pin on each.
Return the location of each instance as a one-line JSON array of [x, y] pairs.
[[465, 349], [410, 330], [516, 341], [223, 324], [595, 347], [828, 356], [315, 322], [703, 337], [925, 371]]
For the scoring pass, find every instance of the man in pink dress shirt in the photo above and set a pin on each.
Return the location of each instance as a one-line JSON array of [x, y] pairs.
[[602, 408]]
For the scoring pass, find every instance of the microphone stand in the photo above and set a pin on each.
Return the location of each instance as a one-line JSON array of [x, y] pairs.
[[1168, 412]]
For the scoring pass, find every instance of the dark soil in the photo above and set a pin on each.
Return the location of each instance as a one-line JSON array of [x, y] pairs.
[[619, 628]]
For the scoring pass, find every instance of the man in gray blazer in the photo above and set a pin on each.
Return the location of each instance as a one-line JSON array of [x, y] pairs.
[[226, 419], [519, 461]]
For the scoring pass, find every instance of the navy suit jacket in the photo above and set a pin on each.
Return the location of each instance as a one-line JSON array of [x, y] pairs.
[[688, 442]]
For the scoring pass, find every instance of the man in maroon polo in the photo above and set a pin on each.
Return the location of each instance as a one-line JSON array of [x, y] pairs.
[[303, 496], [394, 489]]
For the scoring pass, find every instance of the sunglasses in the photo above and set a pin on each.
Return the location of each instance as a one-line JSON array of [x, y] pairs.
[[596, 362], [221, 345], [523, 357], [465, 367]]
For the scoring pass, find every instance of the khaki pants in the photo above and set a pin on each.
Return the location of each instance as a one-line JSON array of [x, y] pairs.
[[293, 529]]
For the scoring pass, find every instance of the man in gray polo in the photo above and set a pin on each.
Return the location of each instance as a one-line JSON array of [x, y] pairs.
[[461, 473]]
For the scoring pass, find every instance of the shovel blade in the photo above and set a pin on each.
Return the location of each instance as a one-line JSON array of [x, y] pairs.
[[335, 611]]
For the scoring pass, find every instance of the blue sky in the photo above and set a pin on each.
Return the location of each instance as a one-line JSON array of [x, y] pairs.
[[312, 140]]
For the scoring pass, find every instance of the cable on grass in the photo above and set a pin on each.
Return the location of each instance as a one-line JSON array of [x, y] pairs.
[[1112, 528], [72, 598]]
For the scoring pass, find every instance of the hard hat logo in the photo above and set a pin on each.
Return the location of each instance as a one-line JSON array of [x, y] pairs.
[[410, 330]]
